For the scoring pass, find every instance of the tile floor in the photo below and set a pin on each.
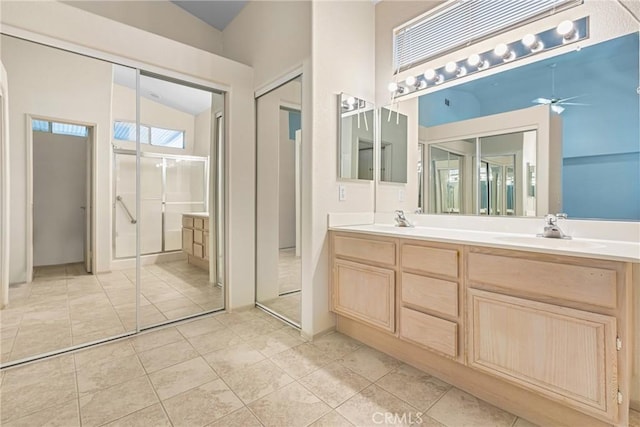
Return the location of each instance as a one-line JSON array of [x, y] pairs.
[[289, 275], [64, 306], [239, 369]]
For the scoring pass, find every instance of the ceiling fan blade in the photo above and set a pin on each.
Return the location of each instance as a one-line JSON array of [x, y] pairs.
[[544, 101], [574, 103], [557, 109], [570, 98]]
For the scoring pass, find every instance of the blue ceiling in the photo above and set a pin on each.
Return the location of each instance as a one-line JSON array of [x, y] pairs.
[[216, 13]]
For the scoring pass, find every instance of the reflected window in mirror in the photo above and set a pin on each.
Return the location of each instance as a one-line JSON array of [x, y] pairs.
[[393, 146], [593, 90], [356, 138]]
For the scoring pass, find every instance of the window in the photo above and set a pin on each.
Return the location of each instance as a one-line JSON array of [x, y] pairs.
[[59, 128], [462, 22], [160, 137]]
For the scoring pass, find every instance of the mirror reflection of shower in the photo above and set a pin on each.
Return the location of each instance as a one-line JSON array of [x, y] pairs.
[[177, 210], [279, 145]]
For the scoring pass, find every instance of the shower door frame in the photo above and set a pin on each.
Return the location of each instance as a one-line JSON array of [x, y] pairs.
[[164, 202]]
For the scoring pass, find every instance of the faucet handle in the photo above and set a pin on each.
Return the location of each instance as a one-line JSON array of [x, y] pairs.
[[400, 214], [550, 219]]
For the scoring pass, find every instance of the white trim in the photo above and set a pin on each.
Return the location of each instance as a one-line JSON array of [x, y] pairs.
[[108, 57], [285, 78], [5, 198]]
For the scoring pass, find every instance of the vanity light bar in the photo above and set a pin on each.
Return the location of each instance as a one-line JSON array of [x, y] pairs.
[[566, 32], [352, 103]]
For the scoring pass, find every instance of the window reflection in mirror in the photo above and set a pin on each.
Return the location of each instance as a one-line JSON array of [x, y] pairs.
[[393, 146], [356, 137]]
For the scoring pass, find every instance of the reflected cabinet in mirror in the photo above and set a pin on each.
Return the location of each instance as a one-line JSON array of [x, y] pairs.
[[592, 91], [393, 145], [356, 138]]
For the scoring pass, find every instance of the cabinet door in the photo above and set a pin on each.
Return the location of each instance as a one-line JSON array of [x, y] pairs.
[[364, 293], [187, 240], [568, 355]]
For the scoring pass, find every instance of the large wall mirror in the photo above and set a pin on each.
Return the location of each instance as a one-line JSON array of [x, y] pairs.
[[593, 91], [356, 137], [393, 145], [107, 166]]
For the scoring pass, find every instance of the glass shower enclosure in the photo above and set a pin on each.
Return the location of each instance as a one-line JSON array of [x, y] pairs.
[[170, 186]]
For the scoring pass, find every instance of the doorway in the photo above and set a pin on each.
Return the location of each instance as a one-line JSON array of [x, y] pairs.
[[278, 204], [61, 197]]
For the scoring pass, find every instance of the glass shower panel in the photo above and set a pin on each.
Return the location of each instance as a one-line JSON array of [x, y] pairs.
[[151, 170], [125, 206], [186, 191]]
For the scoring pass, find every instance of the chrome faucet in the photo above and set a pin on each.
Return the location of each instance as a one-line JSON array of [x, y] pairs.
[[401, 220], [551, 228]]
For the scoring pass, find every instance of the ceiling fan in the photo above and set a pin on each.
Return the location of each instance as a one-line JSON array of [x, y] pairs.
[[557, 104]]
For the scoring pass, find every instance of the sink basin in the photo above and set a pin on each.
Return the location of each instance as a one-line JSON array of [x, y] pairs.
[[551, 243]]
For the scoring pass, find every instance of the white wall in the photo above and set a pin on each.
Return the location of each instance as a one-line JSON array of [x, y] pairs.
[[343, 61], [158, 17], [4, 187], [286, 184], [272, 36], [59, 192], [72, 28], [59, 85]]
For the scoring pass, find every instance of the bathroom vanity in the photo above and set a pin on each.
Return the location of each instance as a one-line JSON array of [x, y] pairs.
[[195, 238], [544, 329]]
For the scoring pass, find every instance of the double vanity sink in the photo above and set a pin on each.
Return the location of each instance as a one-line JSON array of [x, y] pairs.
[[539, 326]]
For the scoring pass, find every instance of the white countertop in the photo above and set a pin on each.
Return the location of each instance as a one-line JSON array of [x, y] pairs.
[[197, 214], [580, 247]]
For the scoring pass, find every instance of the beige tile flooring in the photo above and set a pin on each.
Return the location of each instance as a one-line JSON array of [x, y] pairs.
[[64, 306], [289, 270], [289, 278], [239, 369]]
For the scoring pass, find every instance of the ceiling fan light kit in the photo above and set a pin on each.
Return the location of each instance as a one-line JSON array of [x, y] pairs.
[[566, 32]]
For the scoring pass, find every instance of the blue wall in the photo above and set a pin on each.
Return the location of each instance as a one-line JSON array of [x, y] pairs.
[[294, 124], [601, 141]]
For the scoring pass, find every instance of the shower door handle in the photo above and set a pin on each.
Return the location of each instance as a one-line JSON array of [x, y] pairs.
[[126, 209]]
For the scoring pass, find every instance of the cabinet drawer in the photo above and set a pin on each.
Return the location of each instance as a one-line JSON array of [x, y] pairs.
[[187, 240], [429, 331], [364, 293], [374, 251], [198, 223], [198, 250], [576, 283], [187, 221], [430, 260], [431, 294], [565, 354], [198, 236]]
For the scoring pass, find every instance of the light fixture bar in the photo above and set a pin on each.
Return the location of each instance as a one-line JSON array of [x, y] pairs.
[[567, 32]]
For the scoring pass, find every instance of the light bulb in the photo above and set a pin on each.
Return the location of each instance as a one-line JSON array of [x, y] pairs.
[[451, 67], [474, 60], [502, 50], [565, 28], [410, 81], [393, 86], [430, 74], [532, 42], [351, 100]]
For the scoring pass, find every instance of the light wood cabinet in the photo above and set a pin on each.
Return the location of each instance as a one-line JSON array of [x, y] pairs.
[[566, 354], [365, 293], [195, 240], [549, 337]]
